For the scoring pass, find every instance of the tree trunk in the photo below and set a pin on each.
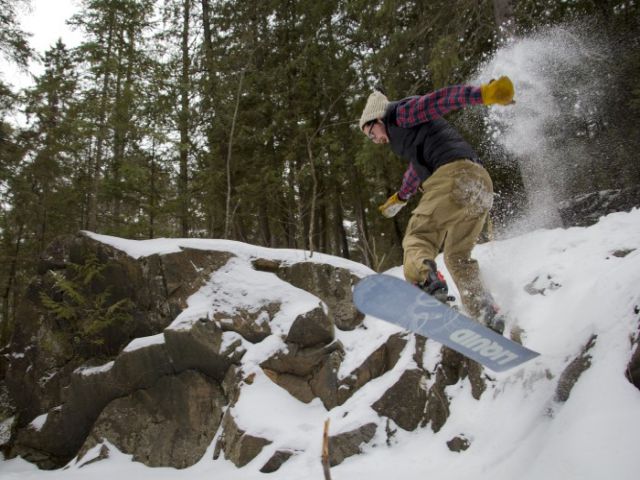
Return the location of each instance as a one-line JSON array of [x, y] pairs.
[[265, 228], [153, 191], [341, 233], [92, 213], [122, 119], [229, 213], [314, 194], [6, 321], [208, 41], [208, 117], [183, 121]]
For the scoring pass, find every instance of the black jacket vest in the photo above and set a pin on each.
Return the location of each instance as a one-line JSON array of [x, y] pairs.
[[427, 146]]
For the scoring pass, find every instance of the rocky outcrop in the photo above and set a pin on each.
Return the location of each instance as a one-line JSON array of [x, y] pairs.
[[405, 401], [307, 373], [109, 353], [65, 319], [184, 410], [573, 371], [453, 368], [347, 444], [238, 445], [458, 444], [331, 284], [311, 328], [633, 370], [379, 362], [586, 209]]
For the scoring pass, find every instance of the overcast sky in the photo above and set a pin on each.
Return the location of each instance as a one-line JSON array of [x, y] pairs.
[[46, 22]]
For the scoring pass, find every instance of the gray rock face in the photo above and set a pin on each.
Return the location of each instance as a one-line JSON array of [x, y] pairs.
[[586, 209], [45, 349], [308, 373], [376, 364], [573, 371], [345, 445], [183, 410], [633, 370], [451, 370], [311, 328], [64, 396], [458, 444], [200, 346], [405, 401], [332, 285], [68, 391], [238, 446]]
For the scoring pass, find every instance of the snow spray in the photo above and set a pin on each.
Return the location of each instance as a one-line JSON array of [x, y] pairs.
[[558, 75]]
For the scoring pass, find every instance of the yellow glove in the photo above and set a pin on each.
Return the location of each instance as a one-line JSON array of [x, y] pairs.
[[498, 91], [392, 206]]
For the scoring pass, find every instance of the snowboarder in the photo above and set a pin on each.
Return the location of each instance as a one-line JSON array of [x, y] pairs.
[[458, 191]]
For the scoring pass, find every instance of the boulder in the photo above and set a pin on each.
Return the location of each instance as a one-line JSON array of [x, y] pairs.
[[586, 209], [311, 328], [301, 362], [89, 391], [574, 371], [238, 446], [183, 410], [452, 368], [405, 401], [333, 285], [298, 387], [202, 345], [458, 444], [308, 373], [277, 460], [101, 452], [347, 444], [251, 325], [377, 363], [45, 348], [633, 370], [324, 383]]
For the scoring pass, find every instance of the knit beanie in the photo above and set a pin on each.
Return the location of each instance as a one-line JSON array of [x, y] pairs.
[[374, 109]]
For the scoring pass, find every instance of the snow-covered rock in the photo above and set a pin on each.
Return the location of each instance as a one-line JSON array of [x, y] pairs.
[[408, 407]]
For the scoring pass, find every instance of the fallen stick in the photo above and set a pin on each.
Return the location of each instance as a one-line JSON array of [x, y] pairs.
[[325, 451]]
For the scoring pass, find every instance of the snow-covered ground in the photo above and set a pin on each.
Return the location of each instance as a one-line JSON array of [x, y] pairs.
[[560, 286]]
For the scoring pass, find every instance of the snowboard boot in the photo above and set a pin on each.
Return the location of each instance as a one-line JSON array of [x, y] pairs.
[[490, 315], [435, 284]]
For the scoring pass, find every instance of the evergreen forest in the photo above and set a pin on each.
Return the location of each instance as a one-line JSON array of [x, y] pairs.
[[238, 119]]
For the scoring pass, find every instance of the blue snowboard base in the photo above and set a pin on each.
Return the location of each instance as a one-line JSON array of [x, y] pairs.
[[396, 301]]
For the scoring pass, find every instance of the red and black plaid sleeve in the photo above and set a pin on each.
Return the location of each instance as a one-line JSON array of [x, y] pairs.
[[417, 110], [410, 183]]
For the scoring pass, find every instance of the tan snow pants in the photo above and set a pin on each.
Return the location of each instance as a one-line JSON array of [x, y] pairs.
[[450, 216]]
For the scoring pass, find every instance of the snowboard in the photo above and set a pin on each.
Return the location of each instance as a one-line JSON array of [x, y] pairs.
[[396, 301]]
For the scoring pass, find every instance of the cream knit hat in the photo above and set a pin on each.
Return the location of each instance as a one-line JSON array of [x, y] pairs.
[[375, 108]]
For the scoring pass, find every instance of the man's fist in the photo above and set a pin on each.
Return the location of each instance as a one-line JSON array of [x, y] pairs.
[[392, 206], [498, 91]]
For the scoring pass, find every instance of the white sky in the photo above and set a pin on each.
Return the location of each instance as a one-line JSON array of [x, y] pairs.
[[46, 22]]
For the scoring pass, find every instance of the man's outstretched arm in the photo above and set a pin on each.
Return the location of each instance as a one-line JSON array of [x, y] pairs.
[[417, 110]]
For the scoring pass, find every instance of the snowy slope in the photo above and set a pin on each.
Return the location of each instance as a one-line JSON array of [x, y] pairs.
[[560, 286]]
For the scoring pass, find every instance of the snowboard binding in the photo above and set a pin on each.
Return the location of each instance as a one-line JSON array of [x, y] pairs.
[[435, 284]]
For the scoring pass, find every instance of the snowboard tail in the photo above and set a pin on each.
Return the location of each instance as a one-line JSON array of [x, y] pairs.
[[396, 301]]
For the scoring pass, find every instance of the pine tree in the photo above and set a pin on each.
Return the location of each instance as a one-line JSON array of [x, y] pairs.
[[14, 43], [116, 69]]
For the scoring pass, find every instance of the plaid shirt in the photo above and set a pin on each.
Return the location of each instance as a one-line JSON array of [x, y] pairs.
[[416, 110]]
